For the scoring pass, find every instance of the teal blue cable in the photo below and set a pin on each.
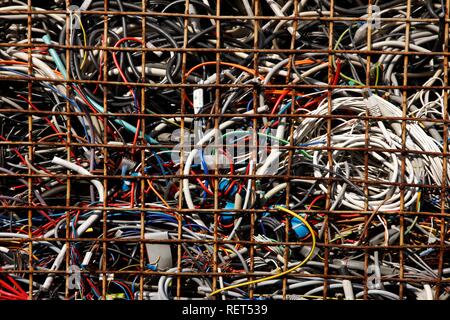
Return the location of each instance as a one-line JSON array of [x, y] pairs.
[[123, 123], [55, 56]]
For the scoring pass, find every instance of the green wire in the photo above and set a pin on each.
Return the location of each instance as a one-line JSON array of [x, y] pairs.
[[351, 79], [411, 226], [334, 62], [341, 37], [417, 217], [377, 75]]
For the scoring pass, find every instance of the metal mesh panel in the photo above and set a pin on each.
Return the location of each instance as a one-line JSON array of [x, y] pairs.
[[224, 149]]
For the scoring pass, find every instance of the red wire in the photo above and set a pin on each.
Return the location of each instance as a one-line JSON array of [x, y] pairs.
[[126, 287], [228, 156], [126, 81], [337, 73], [136, 135], [315, 200], [11, 279], [280, 98], [230, 186], [12, 289], [20, 186], [35, 108], [86, 101], [202, 185], [50, 173], [14, 149], [46, 120], [8, 296], [333, 82], [93, 286], [115, 53], [46, 216], [132, 195]]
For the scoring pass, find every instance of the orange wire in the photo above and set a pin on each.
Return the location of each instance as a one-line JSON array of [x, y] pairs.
[[12, 62], [229, 64], [150, 184], [248, 70]]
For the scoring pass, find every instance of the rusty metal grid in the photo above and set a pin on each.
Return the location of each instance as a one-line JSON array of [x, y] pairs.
[[377, 252]]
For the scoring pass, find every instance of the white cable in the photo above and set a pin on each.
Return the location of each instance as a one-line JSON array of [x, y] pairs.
[[348, 290], [207, 137], [246, 202], [85, 225]]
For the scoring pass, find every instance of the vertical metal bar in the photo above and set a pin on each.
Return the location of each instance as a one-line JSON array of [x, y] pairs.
[[105, 154], [30, 151], [291, 122], [142, 154], [329, 146], [444, 187], [183, 113], [216, 110], [68, 52], [367, 145], [404, 133], [254, 147]]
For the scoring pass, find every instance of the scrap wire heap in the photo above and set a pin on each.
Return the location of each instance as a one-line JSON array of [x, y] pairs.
[[162, 150]]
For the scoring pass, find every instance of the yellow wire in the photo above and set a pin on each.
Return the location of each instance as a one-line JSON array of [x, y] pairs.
[[227, 250], [311, 252], [26, 251], [130, 266], [433, 230], [377, 78], [84, 39], [334, 62]]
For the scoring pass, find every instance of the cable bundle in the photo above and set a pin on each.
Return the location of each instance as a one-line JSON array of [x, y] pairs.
[[243, 156]]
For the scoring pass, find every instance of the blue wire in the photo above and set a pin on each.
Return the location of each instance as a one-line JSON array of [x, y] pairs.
[[55, 90], [123, 289], [205, 171], [249, 103], [262, 227], [133, 283], [160, 163]]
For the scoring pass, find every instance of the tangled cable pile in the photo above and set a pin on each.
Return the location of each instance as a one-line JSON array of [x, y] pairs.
[[197, 158]]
